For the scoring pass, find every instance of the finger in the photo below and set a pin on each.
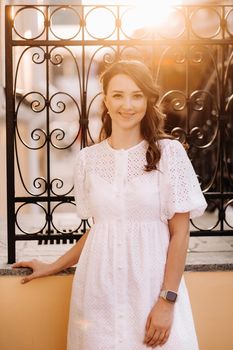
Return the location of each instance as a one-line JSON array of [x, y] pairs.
[[148, 323], [17, 264], [147, 327], [23, 264], [165, 338], [149, 336], [28, 278], [155, 338], [160, 337]]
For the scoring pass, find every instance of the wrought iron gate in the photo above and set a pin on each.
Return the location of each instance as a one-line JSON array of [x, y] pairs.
[[49, 117]]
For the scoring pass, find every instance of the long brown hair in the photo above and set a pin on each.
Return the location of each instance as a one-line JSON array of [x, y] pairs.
[[152, 123]]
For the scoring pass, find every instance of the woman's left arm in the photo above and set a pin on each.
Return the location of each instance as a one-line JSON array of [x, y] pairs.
[[177, 251], [159, 320]]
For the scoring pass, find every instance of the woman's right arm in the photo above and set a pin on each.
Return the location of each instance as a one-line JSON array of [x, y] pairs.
[[41, 269]]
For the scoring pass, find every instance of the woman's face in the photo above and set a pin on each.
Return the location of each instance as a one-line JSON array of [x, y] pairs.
[[126, 103]]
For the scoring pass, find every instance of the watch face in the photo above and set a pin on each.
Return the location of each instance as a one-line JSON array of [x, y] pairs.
[[171, 296]]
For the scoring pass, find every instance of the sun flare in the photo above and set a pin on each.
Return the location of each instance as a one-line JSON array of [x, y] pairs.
[[154, 13]]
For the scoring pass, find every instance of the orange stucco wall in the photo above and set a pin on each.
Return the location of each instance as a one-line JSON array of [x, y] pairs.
[[34, 316]]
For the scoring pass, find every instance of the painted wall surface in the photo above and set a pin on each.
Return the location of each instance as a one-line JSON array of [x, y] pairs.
[[34, 316], [211, 295]]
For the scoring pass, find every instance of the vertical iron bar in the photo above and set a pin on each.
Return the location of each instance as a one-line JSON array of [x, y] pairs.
[[83, 116], [188, 91], [83, 120], [187, 76], [118, 31], [221, 141], [10, 135], [221, 132], [47, 123]]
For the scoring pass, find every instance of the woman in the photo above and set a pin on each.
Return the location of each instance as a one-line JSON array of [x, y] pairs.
[[140, 188]]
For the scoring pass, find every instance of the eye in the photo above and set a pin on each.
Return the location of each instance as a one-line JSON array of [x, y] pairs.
[[138, 96], [116, 96]]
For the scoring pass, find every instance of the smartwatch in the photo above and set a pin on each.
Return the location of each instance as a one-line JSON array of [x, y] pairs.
[[168, 295]]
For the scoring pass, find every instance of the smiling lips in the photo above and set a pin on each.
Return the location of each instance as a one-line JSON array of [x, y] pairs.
[[126, 115]]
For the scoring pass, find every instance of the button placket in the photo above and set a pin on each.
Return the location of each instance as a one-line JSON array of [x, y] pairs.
[[121, 163], [121, 276]]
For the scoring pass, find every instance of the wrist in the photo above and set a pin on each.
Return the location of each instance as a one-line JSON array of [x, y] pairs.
[[165, 303], [53, 268]]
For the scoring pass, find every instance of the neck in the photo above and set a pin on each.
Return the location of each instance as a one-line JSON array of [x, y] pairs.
[[124, 139]]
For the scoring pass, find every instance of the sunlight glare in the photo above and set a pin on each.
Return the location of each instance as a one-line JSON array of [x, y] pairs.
[[12, 13], [27, 34], [153, 13]]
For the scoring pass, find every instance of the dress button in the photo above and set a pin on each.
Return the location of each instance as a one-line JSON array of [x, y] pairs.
[[119, 267]]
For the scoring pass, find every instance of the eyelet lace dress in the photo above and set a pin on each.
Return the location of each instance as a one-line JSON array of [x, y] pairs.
[[121, 268]]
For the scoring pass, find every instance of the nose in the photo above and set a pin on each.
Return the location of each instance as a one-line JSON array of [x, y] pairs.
[[127, 103]]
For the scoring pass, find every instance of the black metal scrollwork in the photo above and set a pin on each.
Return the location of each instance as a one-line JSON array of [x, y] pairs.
[[53, 101]]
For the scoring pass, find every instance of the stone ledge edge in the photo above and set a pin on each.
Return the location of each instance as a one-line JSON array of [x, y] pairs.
[[7, 270]]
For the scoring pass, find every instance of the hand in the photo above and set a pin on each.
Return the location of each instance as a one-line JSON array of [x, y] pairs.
[[159, 323], [39, 269]]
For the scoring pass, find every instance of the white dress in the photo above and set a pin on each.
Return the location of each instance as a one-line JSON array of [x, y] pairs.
[[120, 271]]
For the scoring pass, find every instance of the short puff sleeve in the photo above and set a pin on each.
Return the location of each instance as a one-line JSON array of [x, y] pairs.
[[81, 187], [179, 186]]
